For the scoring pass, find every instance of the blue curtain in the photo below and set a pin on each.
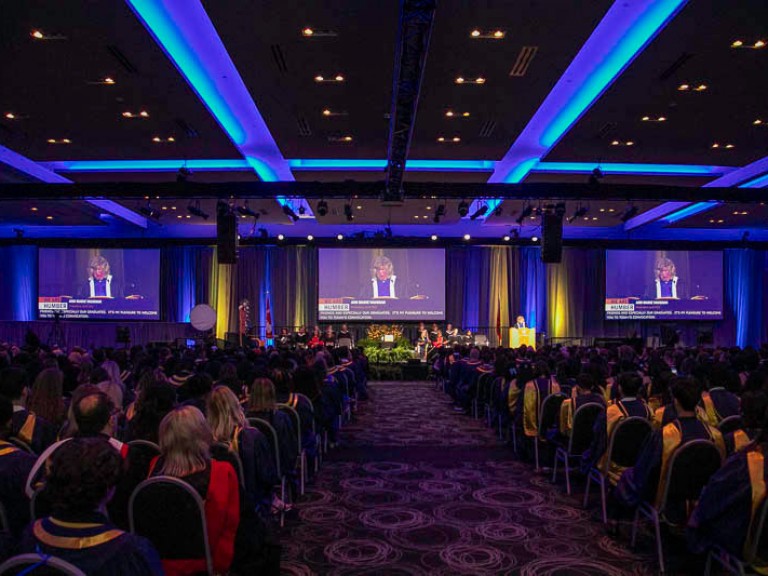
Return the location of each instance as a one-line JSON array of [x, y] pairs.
[[744, 287], [533, 288], [184, 273], [18, 283]]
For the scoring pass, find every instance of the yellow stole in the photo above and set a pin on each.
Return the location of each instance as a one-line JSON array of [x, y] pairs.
[[7, 448], [566, 416], [710, 414], [512, 396], [28, 429], [613, 414], [73, 542], [740, 439]]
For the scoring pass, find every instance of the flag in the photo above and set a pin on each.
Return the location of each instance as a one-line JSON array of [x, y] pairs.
[[498, 323], [269, 318]]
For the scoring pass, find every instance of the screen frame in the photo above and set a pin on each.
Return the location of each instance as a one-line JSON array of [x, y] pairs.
[[721, 251], [443, 249], [106, 246]]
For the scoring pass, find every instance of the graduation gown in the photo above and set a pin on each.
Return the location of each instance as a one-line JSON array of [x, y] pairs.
[[15, 466], [718, 404], [35, 431], [93, 544], [533, 396]]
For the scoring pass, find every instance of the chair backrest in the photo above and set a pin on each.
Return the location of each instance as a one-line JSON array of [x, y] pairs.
[[757, 547], [269, 431], [4, 525], [689, 470], [730, 424], [583, 427], [309, 403], [147, 448], [38, 565], [627, 440], [171, 514], [291, 411], [550, 412], [229, 455], [21, 445]]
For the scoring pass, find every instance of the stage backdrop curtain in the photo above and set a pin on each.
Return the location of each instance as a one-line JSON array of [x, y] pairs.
[[532, 288], [744, 320], [18, 283], [184, 280]]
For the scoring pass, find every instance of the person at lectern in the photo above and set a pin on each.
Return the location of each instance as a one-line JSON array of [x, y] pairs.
[[520, 323], [100, 283], [666, 284]]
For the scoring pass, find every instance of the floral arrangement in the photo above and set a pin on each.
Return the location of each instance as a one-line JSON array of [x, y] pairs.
[[377, 331]]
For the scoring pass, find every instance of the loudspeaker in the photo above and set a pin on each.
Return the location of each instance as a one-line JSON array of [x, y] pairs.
[[551, 238], [226, 237]]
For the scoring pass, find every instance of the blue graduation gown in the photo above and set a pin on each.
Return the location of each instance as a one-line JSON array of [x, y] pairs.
[[15, 465]]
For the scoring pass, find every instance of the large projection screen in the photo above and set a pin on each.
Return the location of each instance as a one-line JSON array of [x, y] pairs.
[[99, 284], [376, 284], [663, 285]]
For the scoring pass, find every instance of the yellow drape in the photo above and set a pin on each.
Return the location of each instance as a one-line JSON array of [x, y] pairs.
[[499, 293]]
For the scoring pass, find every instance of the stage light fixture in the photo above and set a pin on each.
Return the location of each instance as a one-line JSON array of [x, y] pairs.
[[280, 237], [348, 212], [182, 175], [580, 212], [434, 237], [534, 238], [195, 210], [463, 208], [150, 212], [245, 210], [481, 210], [439, 213], [515, 233], [322, 208], [527, 211], [595, 177], [310, 237], [288, 211], [629, 213], [263, 234], [467, 237], [506, 238], [339, 236]]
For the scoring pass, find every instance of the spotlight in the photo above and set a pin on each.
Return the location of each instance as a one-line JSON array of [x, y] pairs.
[[302, 210], [506, 238], [479, 212], [245, 210], [280, 237], [527, 211], [434, 237], [439, 213], [629, 213], [339, 236], [534, 238], [195, 210], [463, 208], [348, 212], [263, 234], [581, 211], [310, 237], [182, 175], [467, 237], [595, 177], [388, 232], [150, 212], [288, 211], [322, 208]]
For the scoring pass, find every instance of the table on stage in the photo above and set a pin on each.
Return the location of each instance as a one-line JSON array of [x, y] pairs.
[[522, 336]]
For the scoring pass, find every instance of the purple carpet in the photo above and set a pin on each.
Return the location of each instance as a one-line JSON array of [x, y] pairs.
[[416, 489]]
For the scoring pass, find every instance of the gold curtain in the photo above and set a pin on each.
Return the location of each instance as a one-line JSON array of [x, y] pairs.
[[499, 293]]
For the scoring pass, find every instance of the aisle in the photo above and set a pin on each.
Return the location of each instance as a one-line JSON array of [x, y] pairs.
[[417, 489]]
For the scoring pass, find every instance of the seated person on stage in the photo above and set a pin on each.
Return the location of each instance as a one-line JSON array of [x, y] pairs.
[[728, 508], [643, 481], [585, 391], [629, 404], [15, 465], [542, 385], [34, 431], [100, 282], [316, 339], [185, 453], [301, 337], [720, 401], [284, 340], [754, 406], [329, 337], [666, 284], [82, 478], [451, 333], [344, 337], [468, 337], [435, 336]]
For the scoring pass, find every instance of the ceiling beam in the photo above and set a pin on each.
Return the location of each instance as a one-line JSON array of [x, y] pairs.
[[413, 33], [186, 34], [671, 212], [625, 30], [43, 174]]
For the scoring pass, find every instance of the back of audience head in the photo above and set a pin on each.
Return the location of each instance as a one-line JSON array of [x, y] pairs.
[[155, 400], [224, 413], [630, 384], [586, 383], [262, 395], [82, 475], [754, 409], [45, 399], [687, 392], [185, 442], [93, 414], [13, 384], [6, 417], [199, 385]]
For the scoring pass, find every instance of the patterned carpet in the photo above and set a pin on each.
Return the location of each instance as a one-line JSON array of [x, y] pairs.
[[417, 489]]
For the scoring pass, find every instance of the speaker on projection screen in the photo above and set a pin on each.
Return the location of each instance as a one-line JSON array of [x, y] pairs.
[[226, 236], [551, 238]]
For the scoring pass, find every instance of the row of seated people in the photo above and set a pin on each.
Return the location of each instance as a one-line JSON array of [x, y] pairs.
[[303, 339], [716, 403], [196, 425]]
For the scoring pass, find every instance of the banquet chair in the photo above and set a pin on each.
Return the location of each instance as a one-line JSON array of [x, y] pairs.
[[579, 440], [36, 564]]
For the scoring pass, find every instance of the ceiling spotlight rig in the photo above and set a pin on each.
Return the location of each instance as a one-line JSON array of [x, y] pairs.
[[479, 212], [630, 212], [580, 212], [150, 212], [439, 213], [463, 208], [527, 211], [288, 211], [322, 208], [348, 214], [246, 211]]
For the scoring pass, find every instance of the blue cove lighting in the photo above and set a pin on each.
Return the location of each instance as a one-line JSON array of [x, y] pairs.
[[621, 35], [633, 168], [145, 165]]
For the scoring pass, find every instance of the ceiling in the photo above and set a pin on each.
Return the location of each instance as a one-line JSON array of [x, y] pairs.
[[262, 65]]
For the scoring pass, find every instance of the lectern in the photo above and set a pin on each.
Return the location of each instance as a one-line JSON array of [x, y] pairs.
[[522, 336]]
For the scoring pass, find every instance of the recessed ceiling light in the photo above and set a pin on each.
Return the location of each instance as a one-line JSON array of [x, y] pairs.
[[534, 238], [449, 113], [594, 218], [339, 78], [479, 80], [10, 115], [467, 237], [326, 112], [179, 216], [460, 80], [760, 44], [319, 79], [654, 118], [49, 217], [60, 141], [683, 87], [441, 139], [434, 236], [506, 238], [280, 237], [339, 236], [38, 34], [307, 32], [611, 209], [456, 139], [475, 33], [629, 143], [359, 207], [622, 143], [34, 208], [416, 216], [737, 44], [310, 237], [144, 114], [700, 88], [499, 34], [428, 207], [757, 122], [347, 138], [487, 35], [109, 80]]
